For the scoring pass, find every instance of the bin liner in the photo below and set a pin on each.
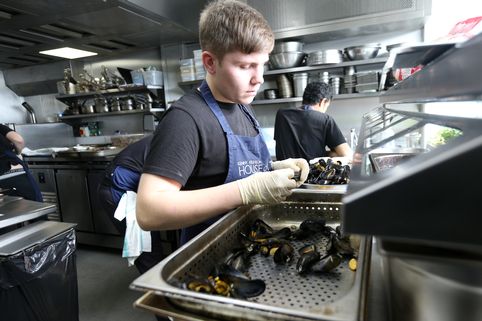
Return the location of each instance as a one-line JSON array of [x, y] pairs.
[[40, 283]]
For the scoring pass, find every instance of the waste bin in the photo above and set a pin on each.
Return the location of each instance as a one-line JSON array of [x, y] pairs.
[[38, 274]]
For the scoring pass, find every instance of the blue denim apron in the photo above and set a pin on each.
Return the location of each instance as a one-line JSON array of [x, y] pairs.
[[27, 186], [246, 155]]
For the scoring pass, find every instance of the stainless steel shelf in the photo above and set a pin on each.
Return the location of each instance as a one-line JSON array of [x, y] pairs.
[[299, 99], [374, 61], [190, 83], [108, 92], [116, 113], [454, 75], [381, 60]]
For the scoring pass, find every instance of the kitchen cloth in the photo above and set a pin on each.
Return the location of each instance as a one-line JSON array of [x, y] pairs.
[[136, 240]]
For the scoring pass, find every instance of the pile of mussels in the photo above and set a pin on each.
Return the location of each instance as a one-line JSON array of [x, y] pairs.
[[328, 172], [230, 277]]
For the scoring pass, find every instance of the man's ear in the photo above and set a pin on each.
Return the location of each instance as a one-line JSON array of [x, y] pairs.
[[209, 62]]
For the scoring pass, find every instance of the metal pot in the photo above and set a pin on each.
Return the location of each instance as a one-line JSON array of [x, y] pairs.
[[101, 105], [127, 104], [88, 109], [271, 93], [115, 105]]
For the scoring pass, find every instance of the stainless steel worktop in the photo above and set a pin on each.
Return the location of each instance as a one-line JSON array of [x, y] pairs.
[[15, 210]]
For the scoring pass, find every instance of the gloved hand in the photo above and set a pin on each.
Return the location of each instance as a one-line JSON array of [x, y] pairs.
[[267, 187], [297, 164]]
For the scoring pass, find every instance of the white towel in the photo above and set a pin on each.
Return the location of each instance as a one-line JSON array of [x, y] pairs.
[[136, 240]]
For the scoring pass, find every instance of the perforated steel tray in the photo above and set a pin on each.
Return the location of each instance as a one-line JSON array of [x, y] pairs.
[[339, 295]]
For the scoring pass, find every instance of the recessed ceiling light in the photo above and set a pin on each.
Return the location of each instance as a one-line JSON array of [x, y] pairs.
[[69, 53]]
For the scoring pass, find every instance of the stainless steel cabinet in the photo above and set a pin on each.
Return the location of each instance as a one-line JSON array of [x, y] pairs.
[[74, 199], [102, 223], [45, 178]]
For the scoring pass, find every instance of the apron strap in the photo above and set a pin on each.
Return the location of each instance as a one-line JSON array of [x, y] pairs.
[[209, 98]]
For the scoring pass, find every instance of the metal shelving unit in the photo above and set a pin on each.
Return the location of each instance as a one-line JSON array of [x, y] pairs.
[[116, 113], [270, 73], [299, 99], [381, 60], [432, 198], [109, 92]]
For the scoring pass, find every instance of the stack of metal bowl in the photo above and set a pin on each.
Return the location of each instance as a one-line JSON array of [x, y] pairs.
[[287, 54], [285, 87], [362, 52], [321, 57]]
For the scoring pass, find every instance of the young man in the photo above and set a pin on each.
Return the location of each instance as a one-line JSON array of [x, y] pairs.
[[122, 176], [207, 156], [307, 130], [11, 141], [22, 183]]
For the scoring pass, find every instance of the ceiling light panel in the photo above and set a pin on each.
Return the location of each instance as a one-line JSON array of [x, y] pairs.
[[69, 53]]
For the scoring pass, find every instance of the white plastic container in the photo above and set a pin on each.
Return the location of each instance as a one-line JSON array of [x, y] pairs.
[[137, 78], [153, 78]]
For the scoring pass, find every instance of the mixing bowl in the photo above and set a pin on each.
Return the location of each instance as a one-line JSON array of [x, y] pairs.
[[362, 52], [286, 59]]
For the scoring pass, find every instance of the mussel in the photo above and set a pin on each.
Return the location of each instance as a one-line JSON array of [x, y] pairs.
[[238, 259], [200, 285], [243, 288], [260, 229], [309, 227], [327, 263], [284, 254], [269, 246], [305, 261]]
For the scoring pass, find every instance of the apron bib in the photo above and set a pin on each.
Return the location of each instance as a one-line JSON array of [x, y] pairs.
[[246, 155]]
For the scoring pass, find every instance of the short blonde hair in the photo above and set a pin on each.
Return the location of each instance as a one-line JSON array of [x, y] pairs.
[[227, 26]]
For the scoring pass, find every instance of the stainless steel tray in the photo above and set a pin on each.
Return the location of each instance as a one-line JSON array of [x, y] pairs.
[[339, 295]]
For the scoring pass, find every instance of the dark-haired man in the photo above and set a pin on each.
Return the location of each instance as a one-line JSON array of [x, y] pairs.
[[306, 131]]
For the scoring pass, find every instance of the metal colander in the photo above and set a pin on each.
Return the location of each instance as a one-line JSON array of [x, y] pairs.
[[288, 296]]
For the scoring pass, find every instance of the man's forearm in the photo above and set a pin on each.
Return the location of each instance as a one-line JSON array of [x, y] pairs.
[[173, 209]]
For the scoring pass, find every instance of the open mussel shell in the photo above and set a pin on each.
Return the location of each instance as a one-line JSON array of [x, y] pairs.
[[307, 249], [260, 229], [270, 246], [200, 285]]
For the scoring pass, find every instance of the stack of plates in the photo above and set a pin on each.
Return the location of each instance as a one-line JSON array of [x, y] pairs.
[[320, 57]]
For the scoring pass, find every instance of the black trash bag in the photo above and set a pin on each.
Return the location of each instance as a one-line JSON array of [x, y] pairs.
[[40, 283]]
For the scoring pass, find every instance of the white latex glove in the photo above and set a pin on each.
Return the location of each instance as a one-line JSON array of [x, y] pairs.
[[296, 164], [267, 187]]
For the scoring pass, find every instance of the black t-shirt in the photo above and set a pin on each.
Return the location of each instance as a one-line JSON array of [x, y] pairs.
[[305, 133], [5, 144], [189, 144], [134, 155]]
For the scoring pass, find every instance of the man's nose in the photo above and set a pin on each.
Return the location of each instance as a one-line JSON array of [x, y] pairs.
[[258, 75]]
